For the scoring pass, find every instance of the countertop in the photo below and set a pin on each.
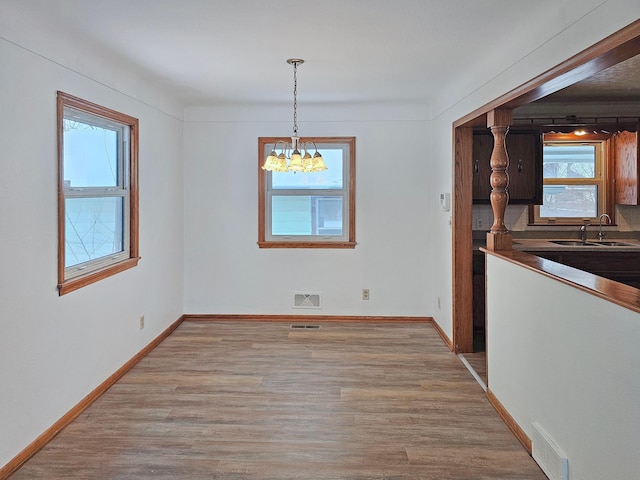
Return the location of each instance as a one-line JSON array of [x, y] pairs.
[[624, 295], [620, 293], [541, 244], [547, 244]]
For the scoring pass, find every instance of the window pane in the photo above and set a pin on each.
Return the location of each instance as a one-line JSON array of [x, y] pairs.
[[93, 228], [569, 161], [330, 178], [570, 201], [306, 215], [90, 155]]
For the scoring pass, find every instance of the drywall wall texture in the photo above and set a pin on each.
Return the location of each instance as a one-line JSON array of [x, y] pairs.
[[55, 350], [569, 361], [226, 272], [572, 28]]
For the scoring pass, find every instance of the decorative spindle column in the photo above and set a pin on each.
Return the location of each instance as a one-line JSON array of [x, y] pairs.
[[499, 238]]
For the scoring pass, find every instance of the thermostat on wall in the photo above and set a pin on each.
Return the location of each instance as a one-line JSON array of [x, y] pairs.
[[445, 202]]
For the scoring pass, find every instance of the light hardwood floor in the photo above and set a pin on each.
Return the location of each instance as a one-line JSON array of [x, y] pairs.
[[254, 400]]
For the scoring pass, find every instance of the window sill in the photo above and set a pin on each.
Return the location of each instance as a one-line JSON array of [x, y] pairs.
[[307, 244], [79, 282]]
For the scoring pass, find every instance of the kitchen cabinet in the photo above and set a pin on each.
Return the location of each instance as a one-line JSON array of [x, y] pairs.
[[524, 148], [627, 173], [623, 267]]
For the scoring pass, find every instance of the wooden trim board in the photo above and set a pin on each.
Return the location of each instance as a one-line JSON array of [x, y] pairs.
[[14, 464], [447, 341], [617, 47], [302, 318], [509, 421]]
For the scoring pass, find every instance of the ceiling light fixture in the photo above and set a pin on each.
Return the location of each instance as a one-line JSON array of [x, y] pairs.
[[295, 162]]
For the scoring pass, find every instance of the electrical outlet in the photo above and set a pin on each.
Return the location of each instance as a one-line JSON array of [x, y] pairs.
[[365, 294], [141, 322], [479, 224], [439, 306]]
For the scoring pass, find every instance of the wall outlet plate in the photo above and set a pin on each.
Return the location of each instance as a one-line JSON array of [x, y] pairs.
[[445, 202]]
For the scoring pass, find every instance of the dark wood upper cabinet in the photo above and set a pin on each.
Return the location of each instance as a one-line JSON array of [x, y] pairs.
[[524, 148], [627, 173]]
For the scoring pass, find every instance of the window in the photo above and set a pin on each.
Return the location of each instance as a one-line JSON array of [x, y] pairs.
[[97, 192], [308, 210], [574, 180]]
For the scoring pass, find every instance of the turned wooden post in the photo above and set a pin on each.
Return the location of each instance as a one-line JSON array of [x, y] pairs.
[[499, 238]]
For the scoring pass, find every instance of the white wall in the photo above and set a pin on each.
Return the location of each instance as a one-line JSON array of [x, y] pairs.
[[569, 361], [555, 38], [226, 272], [55, 350]]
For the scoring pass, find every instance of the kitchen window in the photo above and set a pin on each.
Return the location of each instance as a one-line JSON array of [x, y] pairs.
[[308, 209], [574, 180], [97, 192]]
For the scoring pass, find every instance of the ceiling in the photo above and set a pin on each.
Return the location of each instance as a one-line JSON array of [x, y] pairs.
[[610, 97], [619, 83], [234, 51]]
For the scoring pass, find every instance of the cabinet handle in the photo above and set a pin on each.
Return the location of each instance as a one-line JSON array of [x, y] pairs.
[[520, 166], [476, 168]]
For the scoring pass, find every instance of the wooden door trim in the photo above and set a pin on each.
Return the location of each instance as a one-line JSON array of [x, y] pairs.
[[462, 330], [614, 49]]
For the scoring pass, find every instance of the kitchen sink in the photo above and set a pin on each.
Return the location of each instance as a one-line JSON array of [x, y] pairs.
[[577, 243], [615, 244]]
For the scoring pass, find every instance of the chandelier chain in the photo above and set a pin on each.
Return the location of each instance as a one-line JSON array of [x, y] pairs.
[[292, 160], [295, 98]]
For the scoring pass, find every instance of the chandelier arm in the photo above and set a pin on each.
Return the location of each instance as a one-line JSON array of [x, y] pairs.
[[284, 145]]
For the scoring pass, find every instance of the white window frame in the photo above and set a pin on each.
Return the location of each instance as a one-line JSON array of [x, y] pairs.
[[80, 274], [347, 194]]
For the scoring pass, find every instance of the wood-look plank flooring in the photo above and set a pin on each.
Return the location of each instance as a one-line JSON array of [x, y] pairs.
[[254, 400]]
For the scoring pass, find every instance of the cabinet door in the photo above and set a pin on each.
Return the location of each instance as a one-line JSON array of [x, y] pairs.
[[482, 148], [524, 149], [626, 168]]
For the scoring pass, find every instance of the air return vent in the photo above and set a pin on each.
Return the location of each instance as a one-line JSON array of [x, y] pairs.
[[306, 300], [546, 452]]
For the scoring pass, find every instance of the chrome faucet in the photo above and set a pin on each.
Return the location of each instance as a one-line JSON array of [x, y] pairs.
[[601, 235], [583, 232]]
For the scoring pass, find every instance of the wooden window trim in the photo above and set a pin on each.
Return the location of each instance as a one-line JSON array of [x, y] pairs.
[[607, 181], [69, 285], [262, 242]]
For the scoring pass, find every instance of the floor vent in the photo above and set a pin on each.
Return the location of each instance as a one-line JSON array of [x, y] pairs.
[[311, 327], [548, 455], [306, 300]]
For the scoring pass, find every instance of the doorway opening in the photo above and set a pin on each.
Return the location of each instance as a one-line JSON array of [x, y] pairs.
[[614, 49]]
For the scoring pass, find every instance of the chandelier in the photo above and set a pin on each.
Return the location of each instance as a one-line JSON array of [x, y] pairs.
[[290, 159]]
